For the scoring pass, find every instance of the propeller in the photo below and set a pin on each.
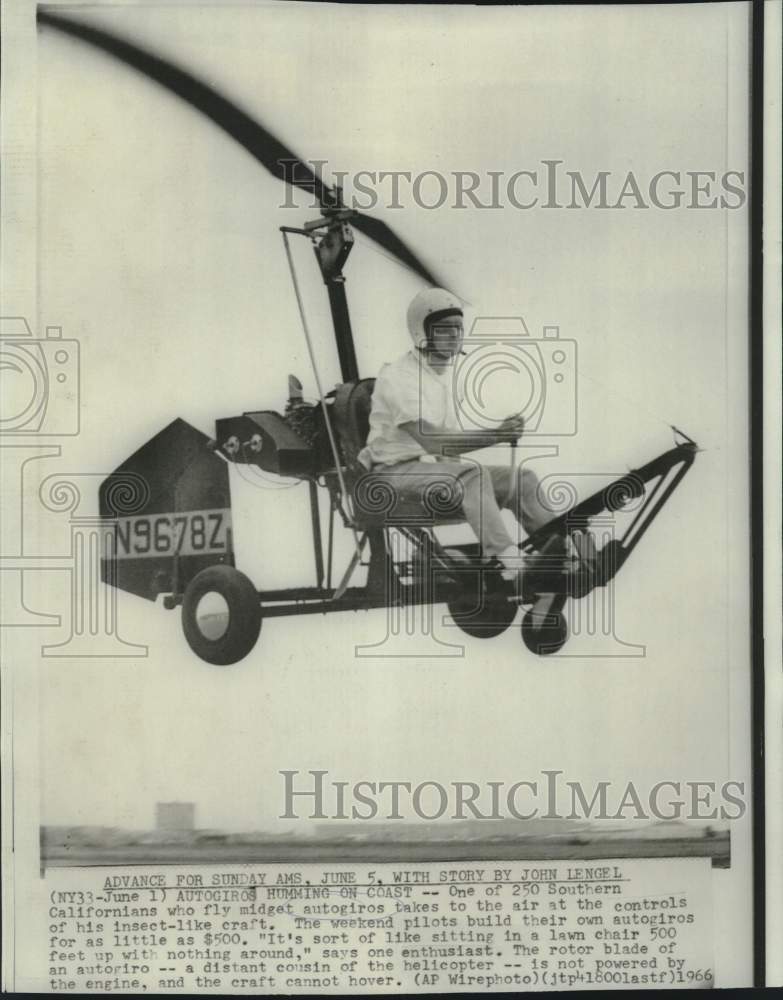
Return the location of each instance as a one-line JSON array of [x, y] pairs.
[[262, 145]]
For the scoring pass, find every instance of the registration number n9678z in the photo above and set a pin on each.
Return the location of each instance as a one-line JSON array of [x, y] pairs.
[[187, 533]]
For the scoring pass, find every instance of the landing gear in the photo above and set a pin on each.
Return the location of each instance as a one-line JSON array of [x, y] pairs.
[[486, 610], [544, 627], [544, 639], [221, 615]]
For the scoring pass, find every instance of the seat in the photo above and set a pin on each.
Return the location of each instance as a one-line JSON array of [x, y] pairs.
[[351, 410], [430, 498]]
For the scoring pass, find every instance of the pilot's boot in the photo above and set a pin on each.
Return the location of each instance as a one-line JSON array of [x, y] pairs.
[[535, 572]]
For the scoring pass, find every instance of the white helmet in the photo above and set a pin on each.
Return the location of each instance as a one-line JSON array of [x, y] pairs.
[[430, 304]]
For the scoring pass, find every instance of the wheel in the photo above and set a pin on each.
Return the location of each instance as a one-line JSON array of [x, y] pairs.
[[487, 613], [221, 615], [547, 638]]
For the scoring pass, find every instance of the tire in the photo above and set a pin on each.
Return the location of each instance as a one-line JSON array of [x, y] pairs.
[[543, 640], [243, 620], [489, 617]]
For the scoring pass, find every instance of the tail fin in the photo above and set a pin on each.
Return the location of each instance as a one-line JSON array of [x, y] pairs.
[[171, 507]]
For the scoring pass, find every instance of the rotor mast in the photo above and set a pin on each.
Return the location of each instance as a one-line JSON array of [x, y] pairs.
[[331, 252]]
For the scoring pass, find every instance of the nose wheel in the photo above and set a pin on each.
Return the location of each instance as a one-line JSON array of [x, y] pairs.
[[544, 627]]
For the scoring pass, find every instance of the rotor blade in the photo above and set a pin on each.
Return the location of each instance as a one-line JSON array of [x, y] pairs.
[[262, 145], [382, 234]]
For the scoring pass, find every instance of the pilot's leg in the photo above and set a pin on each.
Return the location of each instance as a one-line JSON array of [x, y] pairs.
[[447, 487], [518, 490], [484, 493], [520, 493], [481, 510]]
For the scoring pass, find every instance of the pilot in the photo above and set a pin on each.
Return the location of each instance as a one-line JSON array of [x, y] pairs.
[[416, 439]]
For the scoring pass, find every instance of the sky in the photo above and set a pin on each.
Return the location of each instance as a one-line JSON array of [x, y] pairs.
[[159, 251]]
